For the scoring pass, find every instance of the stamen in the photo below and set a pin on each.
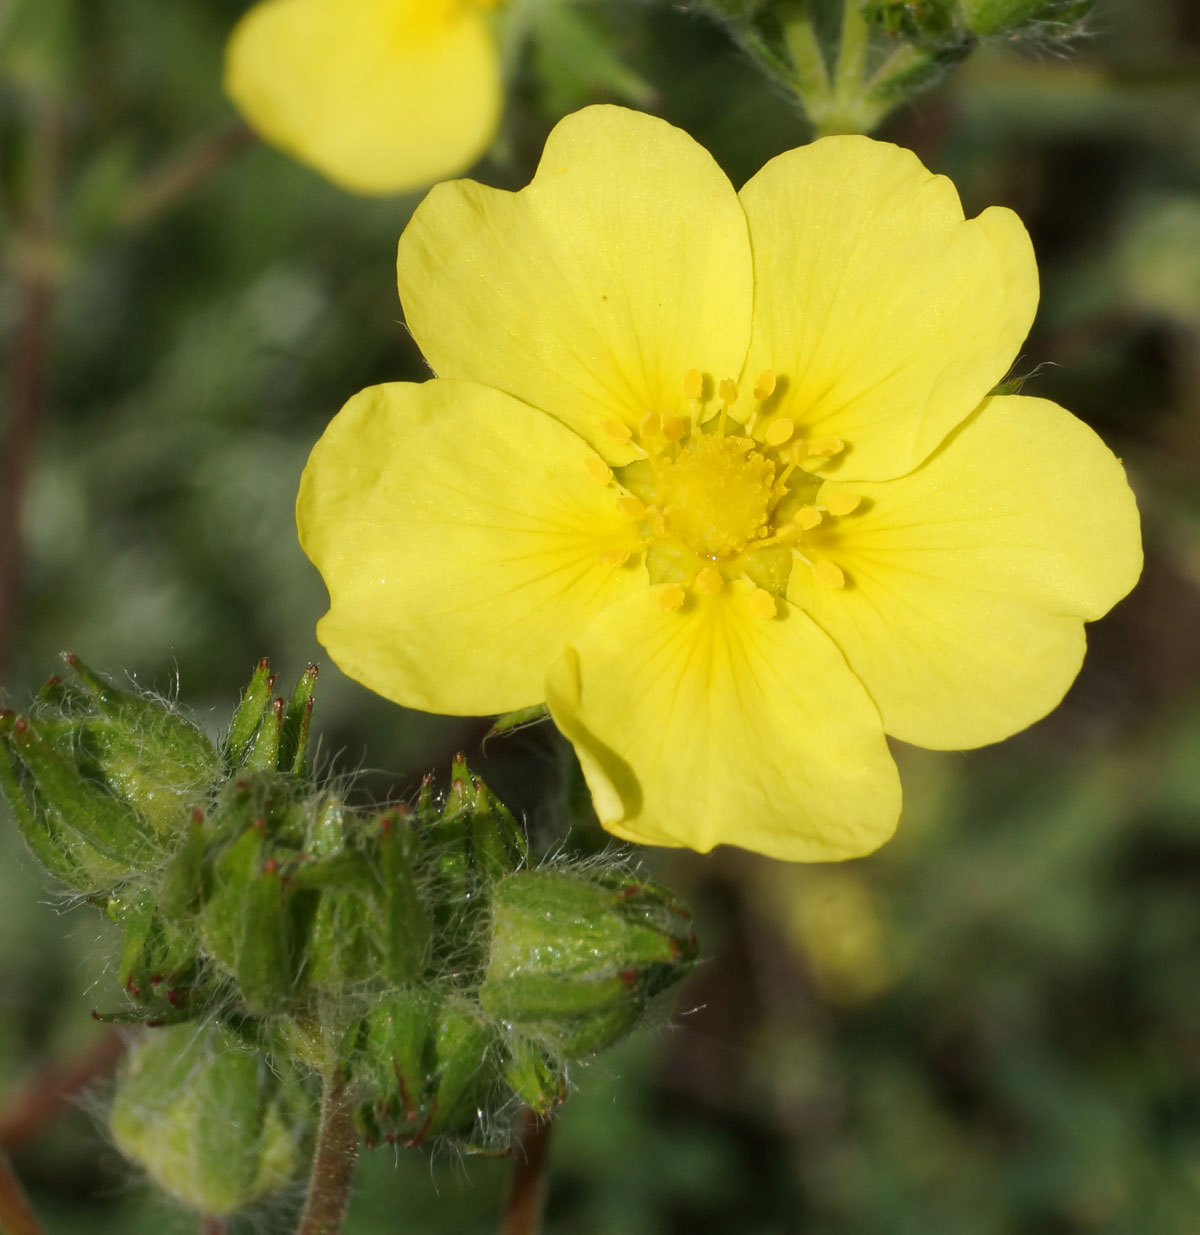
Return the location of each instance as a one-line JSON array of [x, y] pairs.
[[693, 384], [764, 385], [613, 557], [785, 535], [828, 574], [728, 392], [670, 597], [598, 470], [709, 581], [651, 425], [673, 428], [826, 447], [844, 503], [778, 431], [617, 430], [763, 604], [631, 507], [808, 517]]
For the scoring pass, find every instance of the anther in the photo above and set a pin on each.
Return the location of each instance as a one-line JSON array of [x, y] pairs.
[[843, 503], [709, 582], [764, 385], [778, 431], [828, 574], [598, 470], [826, 447], [762, 604], [617, 430], [670, 597], [631, 507], [673, 428], [728, 391], [613, 557], [808, 517], [693, 384]]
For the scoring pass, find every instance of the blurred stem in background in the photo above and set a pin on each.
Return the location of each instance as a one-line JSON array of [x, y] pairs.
[[49, 1091], [28, 350], [16, 1217], [38, 278]]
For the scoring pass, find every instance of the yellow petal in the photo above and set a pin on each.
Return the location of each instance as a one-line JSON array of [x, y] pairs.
[[712, 725], [379, 95], [968, 582], [459, 534], [885, 314], [592, 292]]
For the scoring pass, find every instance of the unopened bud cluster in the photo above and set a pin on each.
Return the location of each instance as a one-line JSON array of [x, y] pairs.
[[849, 63], [275, 932]]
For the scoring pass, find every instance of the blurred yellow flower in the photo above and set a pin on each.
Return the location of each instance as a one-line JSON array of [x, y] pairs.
[[381, 96], [718, 477]]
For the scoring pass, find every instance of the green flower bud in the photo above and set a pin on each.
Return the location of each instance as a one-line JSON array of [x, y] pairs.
[[100, 778], [432, 1067], [534, 1076], [574, 960], [243, 926], [407, 930], [926, 22], [471, 840], [983, 17], [210, 1119], [159, 960]]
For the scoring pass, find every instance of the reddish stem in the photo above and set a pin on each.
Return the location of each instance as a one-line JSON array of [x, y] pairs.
[[531, 1173], [334, 1161], [16, 1216]]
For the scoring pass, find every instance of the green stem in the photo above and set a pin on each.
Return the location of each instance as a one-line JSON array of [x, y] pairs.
[[845, 108], [531, 1162], [334, 1160], [809, 75], [16, 1215], [853, 42]]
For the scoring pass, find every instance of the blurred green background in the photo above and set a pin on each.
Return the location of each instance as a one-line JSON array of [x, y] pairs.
[[992, 1025]]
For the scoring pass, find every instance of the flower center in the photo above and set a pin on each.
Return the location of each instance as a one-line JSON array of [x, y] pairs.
[[724, 494], [716, 495]]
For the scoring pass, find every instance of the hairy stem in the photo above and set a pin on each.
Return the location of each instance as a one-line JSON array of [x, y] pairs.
[[531, 1173], [334, 1160], [45, 1094], [16, 1216]]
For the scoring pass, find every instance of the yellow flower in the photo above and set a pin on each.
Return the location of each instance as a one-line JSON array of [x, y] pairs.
[[717, 476], [379, 95]]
